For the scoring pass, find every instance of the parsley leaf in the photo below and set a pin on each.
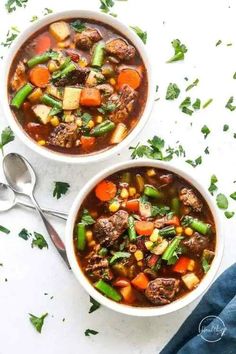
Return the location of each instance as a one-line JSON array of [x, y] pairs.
[[213, 187], [119, 255], [39, 241], [106, 5], [218, 42], [206, 131], [7, 136], [207, 103], [86, 218], [229, 214], [225, 127], [234, 76], [205, 265], [142, 34], [11, 4], [207, 152], [47, 11], [90, 331], [159, 210], [78, 26], [25, 234], [95, 305], [37, 322], [233, 195], [172, 92], [189, 87], [197, 104], [222, 201], [230, 105], [196, 162], [184, 106], [180, 50], [4, 230], [60, 189], [107, 108], [34, 18]]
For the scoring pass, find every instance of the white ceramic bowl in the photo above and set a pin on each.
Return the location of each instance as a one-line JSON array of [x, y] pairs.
[[142, 311], [117, 25]]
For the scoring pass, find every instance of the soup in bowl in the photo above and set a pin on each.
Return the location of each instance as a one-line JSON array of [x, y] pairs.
[[79, 86], [143, 238]]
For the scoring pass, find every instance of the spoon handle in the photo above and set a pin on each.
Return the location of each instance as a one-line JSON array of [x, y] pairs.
[[58, 214], [52, 232]]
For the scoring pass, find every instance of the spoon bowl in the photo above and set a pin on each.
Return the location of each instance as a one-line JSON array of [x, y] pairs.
[[7, 197]]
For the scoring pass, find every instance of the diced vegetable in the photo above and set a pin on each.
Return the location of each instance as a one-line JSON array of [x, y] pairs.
[[43, 43], [102, 128], [171, 249], [59, 30], [41, 59], [105, 190], [108, 290], [190, 280], [126, 177], [181, 266], [129, 77], [196, 224], [54, 91], [140, 182], [81, 237], [90, 97], [144, 227], [167, 231], [145, 209], [42, 112], [71, 98], [140, 281], [51, 101], [65, 69], [132, 205], [160, 248], [36, 95], [39, 76], [87, 141], [119, 255], [98, 55], [175, 205], [119, 133], [131, 229], [128, 294], [94, 78], [151, 191], [21, 95]]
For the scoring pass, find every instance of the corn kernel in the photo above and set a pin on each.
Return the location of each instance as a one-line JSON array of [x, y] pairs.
[[138, 255], [99, 119], [90, 124], [191, 265], [54, 121], [52, 66], [151, 172], [69, 118], [140, 263], [124, 193], [42, 142], [149, 245], [132, 191], [83, 62], [89, 236], [114, 206], [79, 122], [179, 230], [92, 243], [188, 231], [154, 236], [112, 81]]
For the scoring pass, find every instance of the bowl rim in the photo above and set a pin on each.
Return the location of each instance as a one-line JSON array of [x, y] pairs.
[[33, 28], [143, 311]]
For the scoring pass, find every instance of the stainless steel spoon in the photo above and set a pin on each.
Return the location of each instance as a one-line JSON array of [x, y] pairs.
[[22, 179], [8, 199]]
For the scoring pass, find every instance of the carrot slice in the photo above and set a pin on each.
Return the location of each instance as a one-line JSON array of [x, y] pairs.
[[140, 281], [174, 221], [132, 205], [90, 97], [128, 294], [144, 227], [181, 266], [130, 77], [105, 190], [87, 141], [43, 44], [39, 76]]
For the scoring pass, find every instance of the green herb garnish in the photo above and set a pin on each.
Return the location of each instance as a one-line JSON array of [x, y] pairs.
[[25, 234], [106, 5], [86, 218], [184, 106], [11, 36], [107, 108], [12, 4], [39, 241], [189, 87], [88, 332], [207, 103], [78, 26], [196, 162], [205, 131], [205, 265], [225, 127], [222, 201], [229, 214], [95, 305], [47, 11], [197, 104], [142, 34], [230, 105], [118, 255], [60, 189], [233, 195], [180, 50], [7, 136], [218, 42], [37, 322], [172, 92], [4, 230], [213, 187]]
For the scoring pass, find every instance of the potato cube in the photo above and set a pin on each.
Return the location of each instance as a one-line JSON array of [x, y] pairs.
[[190, 280], [71, 98], [59, 30]]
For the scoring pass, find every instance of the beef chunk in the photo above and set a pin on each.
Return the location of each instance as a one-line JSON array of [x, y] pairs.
[[19, 78], [108, 230], [124, 102], [189, 198], [98, 267], [196, 243], [75, 77], [120, 49], [87, 38], [64, 135], [162, 291]]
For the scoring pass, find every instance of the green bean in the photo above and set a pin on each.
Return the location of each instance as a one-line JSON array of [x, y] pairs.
[[103, 128], [81, 238], [108, 290], [21, 95], [131, 229], [66, 70], [167, 231], [175, 205], [98, 55], [169, 252], [51, 101], [196, 225], [38, 59], [151, 191]]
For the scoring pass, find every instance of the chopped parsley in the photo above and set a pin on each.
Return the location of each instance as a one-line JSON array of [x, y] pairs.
[[218, 42], [95, 305], [230, 105], [86, 218], [106, 5], [142, 34], [12, 4], [185, 106], [206, 151], [118, 255], [179, 51], [229, 214], [207, 103], [222, 201], [159, 210], [197, 104], [47, 11], [234, 76], [107, 108], [189, 87], [39, 241], [11, 36], [34, 18], [233, 195], [213, 187], [78, 26], [196, 162], [4, 230], [172, 92], [7, 136], [88, 332], [37, 322], [60, 189], [205, 131], [25, 234], [225, 127]]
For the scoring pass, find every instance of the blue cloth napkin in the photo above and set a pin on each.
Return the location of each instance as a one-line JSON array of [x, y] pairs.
[[211, 327]]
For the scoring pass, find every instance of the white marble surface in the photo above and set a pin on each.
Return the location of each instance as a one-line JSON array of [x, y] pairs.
[[31, 272]]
